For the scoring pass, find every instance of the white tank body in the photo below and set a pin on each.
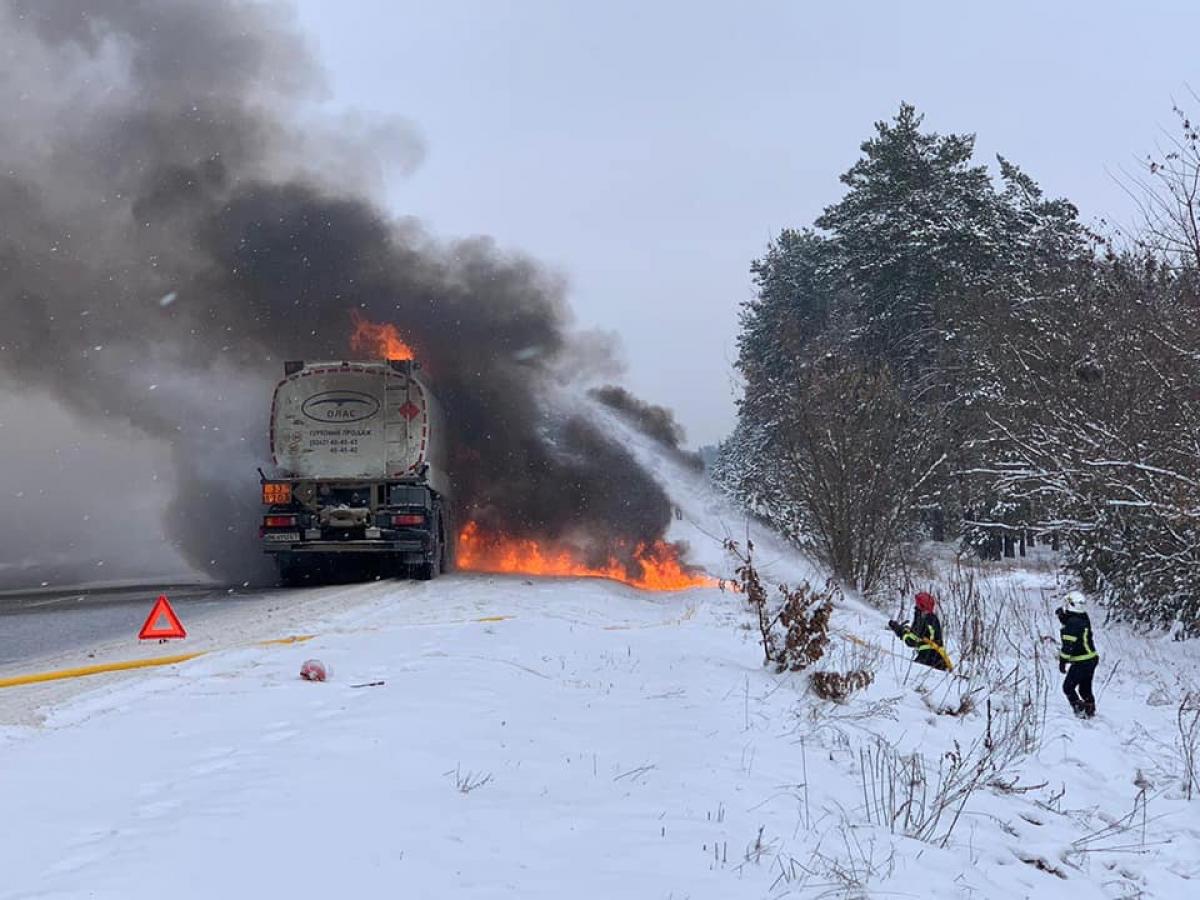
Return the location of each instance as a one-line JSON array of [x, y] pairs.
[[357, 421]]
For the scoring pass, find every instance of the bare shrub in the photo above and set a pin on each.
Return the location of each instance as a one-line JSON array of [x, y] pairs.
[[758, 848], [804, 615], [1127, 833], [838, 686], [963, 604], [465, 782], [1188, 721], [1013, 786], [749, 583], [848, 871], [836, 723], [846, 456], [795, 634], [902, 793]]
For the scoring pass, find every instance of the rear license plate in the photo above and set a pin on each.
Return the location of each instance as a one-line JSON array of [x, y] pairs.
[[282, 536]]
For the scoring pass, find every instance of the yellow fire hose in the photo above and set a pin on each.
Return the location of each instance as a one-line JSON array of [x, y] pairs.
[[857, 640]]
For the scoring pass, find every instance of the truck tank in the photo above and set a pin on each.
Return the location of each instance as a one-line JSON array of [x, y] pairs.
[[359, 453], [357, 420]]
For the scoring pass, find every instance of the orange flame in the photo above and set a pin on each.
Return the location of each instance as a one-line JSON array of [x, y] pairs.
[[661, 568], [377, 340]]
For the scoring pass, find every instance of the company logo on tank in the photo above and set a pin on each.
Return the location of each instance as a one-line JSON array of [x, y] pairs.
[[340, 406]]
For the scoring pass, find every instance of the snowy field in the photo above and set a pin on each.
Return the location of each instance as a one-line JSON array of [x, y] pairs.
[[581, 738]]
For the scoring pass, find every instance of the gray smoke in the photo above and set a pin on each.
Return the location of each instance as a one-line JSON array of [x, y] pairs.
[[175, 224]]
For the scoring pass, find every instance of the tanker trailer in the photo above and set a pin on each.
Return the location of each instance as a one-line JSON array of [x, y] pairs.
[[360, 480]]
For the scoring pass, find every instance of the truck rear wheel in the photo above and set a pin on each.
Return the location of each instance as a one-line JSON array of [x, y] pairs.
[[427, 571], [293, 574]]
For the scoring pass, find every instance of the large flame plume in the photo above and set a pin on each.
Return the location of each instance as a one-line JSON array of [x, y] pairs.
[[653, 567]]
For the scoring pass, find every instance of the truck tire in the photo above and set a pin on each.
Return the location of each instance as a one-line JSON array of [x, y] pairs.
[[428, 571], [444, 549], [294, 574]]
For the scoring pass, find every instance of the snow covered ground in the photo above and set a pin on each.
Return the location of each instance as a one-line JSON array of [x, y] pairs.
[[580, 738]]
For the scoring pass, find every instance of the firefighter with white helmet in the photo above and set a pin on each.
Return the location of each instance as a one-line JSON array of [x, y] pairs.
[[1078, 657]]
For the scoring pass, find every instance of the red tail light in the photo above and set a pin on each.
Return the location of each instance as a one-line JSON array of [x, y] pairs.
[[409, 519], [279, 521]]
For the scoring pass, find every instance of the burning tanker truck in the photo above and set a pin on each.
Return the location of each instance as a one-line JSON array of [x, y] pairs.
[[360, 480]]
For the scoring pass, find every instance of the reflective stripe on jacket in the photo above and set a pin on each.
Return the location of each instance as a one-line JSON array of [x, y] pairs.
[[925, 636], [912, 639], [1077, 644], [925, 633]]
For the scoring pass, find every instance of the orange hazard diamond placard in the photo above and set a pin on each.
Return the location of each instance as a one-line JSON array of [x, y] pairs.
[[172, 628]]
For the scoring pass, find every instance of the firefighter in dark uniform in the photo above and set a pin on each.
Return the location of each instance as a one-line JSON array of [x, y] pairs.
[[1079, 653], [925, 633]]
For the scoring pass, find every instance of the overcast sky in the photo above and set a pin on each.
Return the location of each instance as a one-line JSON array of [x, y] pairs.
[[649, 150]]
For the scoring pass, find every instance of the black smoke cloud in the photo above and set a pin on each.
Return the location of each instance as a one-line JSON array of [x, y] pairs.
[[656, 422], [173, 225]]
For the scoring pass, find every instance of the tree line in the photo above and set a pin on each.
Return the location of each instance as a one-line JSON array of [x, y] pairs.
[[954, 355]]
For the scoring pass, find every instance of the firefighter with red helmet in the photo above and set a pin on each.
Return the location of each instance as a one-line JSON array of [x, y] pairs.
[[924, 634]]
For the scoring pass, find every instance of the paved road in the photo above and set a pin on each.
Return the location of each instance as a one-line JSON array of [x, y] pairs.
[[42, 623]]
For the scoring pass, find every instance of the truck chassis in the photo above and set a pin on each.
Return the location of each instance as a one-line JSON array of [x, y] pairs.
[[318, 529]]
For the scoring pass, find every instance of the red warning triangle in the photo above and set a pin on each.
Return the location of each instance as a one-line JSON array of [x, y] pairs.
[[173, 627]]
